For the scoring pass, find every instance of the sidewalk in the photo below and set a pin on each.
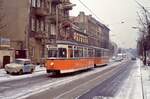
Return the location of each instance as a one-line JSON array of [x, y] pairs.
[[146, 81], [7, 77]]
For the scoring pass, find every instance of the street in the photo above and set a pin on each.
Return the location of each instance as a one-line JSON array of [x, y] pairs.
[[103, 81]]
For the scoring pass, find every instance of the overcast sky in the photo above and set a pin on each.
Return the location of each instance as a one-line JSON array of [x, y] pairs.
[[112, 13]]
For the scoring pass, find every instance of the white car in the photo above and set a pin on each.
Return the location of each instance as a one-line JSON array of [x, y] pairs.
[[20, 66]]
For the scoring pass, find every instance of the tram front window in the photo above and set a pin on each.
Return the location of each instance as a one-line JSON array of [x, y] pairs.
[[52, 53], [62, 52]]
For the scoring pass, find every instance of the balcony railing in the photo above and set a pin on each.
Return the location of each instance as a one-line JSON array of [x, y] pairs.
[[67, 7], [41, 11], [56, 1], [38, 35], [52, 36], [53, 17]]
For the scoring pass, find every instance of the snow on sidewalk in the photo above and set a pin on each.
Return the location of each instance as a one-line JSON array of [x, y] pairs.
[[7, 77], [131, 87], [146, 81]]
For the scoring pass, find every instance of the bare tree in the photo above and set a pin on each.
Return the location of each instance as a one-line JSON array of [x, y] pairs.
[[144, 29]]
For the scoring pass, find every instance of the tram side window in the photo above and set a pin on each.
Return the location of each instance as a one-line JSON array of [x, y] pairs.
[[52, 53], [62, 52], [102, 53], [98, 53], [90, 52], [76, 53], [80, 52]]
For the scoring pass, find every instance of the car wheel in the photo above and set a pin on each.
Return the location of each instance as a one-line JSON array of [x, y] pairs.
[[32, 70], [7, 72], [21, 72]]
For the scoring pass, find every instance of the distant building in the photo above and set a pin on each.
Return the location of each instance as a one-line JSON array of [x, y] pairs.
[[32, 25], [98, 33]]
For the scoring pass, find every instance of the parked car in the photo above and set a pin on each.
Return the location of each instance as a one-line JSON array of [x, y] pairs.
[[20, 66], [133, 58]]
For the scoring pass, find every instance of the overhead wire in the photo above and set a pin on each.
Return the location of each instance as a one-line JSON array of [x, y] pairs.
[[90, 10]]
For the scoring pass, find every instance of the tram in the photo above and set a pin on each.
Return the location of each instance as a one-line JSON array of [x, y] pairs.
[[67, 58]]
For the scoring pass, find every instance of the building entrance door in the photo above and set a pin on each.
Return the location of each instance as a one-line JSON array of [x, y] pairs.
[[6, 60]]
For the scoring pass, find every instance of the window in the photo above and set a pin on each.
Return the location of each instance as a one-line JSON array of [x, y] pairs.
[[46, 27], [52, 53], [27, 63], [98, 53], [38, 25], [42, 4], [42, 25], [19, 61], [33, 51], [32, 24], [76, 52], [80, 52], [62, 52], [52, 29], [33, 3], [90, 52], [38, 3]]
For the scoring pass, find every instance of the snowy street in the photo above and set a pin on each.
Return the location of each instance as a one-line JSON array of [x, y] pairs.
[[30, 84], [120, 80]]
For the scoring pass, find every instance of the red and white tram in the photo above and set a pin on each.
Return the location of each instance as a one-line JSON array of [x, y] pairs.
[[68, 58]]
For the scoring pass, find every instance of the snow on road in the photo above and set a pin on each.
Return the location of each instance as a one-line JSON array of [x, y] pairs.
[[22, 93], [7, 77]]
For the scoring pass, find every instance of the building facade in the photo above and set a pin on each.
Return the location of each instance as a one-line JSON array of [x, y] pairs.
[[32, 25], [98, 33], [6, 53]]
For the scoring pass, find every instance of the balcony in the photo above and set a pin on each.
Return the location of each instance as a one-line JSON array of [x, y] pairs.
[[65, 1], [56, 1], [38, 35], [52, 36], [41, 11], [67, 6], [53, 17]]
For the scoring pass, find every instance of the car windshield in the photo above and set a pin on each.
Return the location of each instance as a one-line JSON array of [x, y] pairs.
[[27, 62], [19, 61]]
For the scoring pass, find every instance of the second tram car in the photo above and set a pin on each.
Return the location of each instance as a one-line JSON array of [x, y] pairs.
[[71, 58]]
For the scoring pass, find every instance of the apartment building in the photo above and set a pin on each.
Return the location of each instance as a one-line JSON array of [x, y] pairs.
[[32, 25], [98, 33]]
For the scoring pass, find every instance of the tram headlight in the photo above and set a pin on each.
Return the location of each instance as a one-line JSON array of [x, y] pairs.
[[52, 63]]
